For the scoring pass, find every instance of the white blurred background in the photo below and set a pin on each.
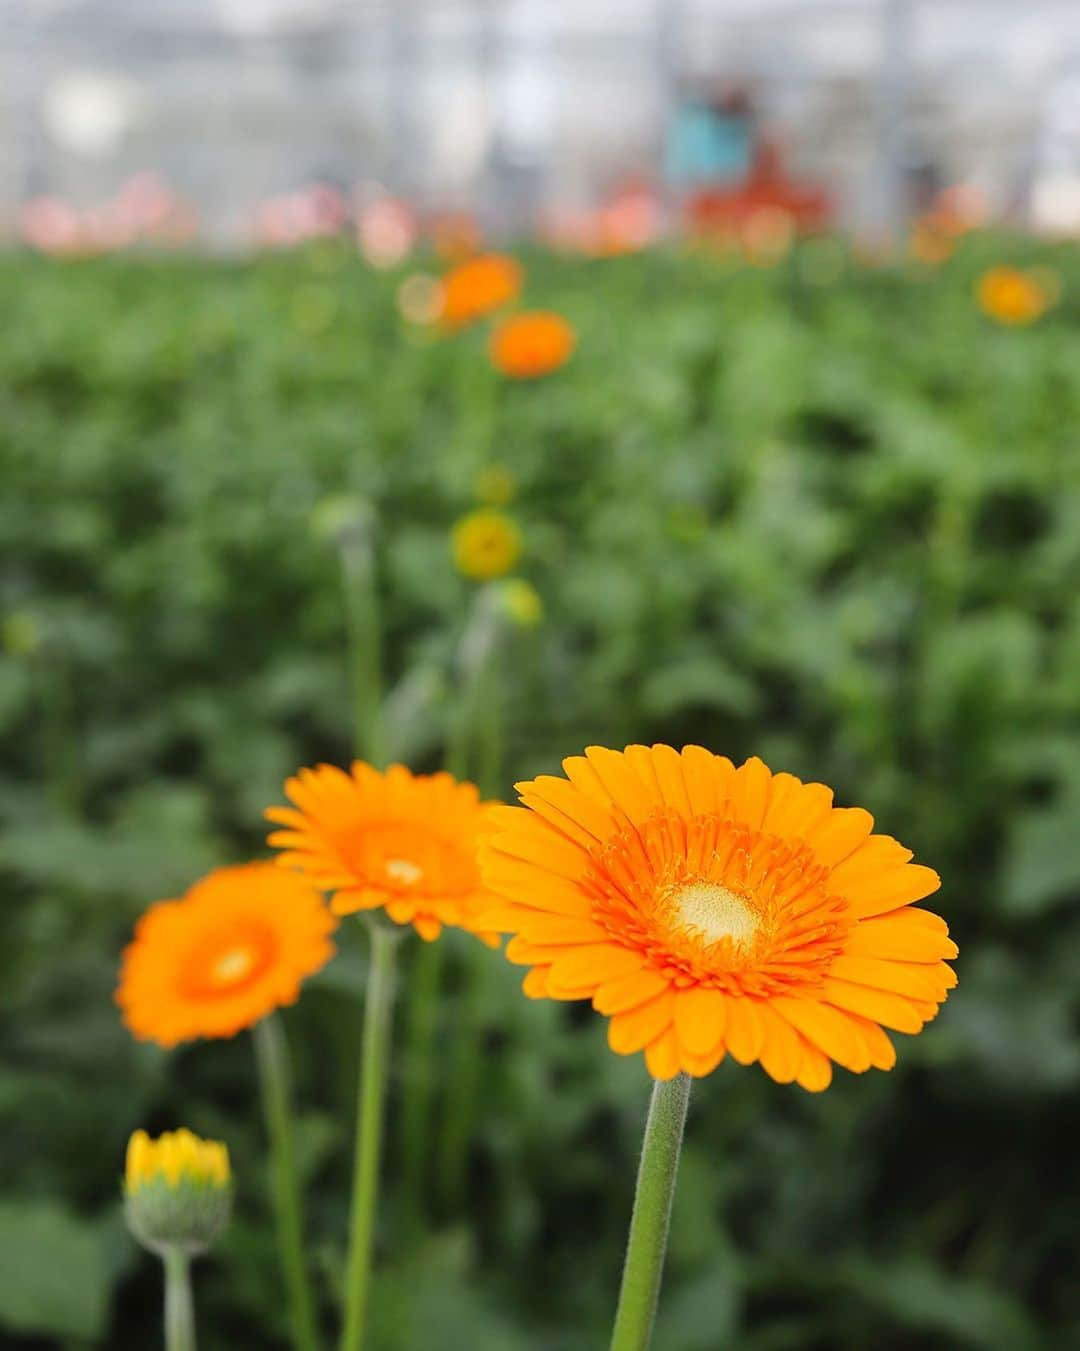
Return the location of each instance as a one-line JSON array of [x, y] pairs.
[[516, 108]]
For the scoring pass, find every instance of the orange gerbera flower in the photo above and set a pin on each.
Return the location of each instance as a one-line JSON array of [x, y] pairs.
[[235, 947], [1011, 296], [402, 842], [529, 345], [708, 909], [478, 287]]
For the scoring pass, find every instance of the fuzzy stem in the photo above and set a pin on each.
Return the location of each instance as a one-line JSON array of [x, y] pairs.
[[655, 1192], [271, 1056], [426, 978], [378, 1018], [362, 623], [179, 1306], [465, 1062]]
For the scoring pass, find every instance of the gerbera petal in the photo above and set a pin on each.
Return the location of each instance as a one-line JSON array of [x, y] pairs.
[[662, 1056], [668, 769], [840, 834], [622, 783], [628, 992], [904, 935], [782, 792], [540, 928], [882, 1051], [700, 1065], [544, 849], [287, 816], [596, 818], [815, 1069], [879, 1006], [531, 888], [750, 791], [920, 980], [633, 1030], [876, 895], [582, 969], [876, 855], [535, 983], [802, 811], [828, 1029], [744, 1031], [700, 1018], [564, 815], [707, 777], [780, 1053]]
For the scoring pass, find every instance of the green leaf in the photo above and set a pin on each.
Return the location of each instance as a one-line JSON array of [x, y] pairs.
[[54, 1277]]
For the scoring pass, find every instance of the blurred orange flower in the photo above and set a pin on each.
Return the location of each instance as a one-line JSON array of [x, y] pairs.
[[401, 842], [235, 947], [478, 287], [529, 345], [1011, 296], [707, 909]]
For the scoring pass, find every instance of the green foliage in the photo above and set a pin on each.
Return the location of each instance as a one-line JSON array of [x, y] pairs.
[[834, 524]]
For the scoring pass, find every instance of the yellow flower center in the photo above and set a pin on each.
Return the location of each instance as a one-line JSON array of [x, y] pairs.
[[233, 966], [401, 870], [715, 913]]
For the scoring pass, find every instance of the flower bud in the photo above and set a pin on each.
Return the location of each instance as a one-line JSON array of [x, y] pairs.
[[521, 602], [177, 1190]]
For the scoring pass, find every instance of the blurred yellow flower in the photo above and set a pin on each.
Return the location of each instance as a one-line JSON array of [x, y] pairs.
[[485, 544], [494, 485], [175, 1158], [1011, 295], [521, 602]]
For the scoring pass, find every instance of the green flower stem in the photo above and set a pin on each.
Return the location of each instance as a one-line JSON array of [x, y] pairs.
[[489, 728], [424, 985], [378, 1018], [474, 750], [271, 1055], [477, 695], [357, 549], [179, 1306], [464, 1073], [655, 1192]]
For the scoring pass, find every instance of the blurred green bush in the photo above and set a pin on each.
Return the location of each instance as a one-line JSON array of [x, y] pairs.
[[828, 515]]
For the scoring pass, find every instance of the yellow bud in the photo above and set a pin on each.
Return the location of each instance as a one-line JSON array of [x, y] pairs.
[[178, 1191], [521, 602]]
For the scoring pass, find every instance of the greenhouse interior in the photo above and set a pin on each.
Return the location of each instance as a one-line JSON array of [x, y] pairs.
[[539, 631]]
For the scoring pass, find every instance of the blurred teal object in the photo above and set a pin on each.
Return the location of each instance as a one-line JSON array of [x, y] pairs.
[[708, 146]]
